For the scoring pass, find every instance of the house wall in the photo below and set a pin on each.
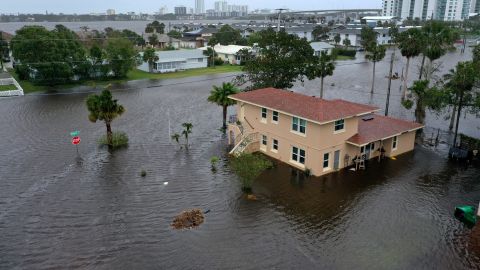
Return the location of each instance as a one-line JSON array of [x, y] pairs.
[[189, 63], [318, 140]]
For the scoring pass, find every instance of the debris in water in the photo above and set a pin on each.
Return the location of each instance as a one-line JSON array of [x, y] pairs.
[[393, 158], [188, 219], [251, 197], [165, 183]]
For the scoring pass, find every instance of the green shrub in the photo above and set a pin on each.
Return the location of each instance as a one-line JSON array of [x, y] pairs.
[[407, 103], [218, 61], [143, 173], [344, 52], [248, 167], [119, 139]]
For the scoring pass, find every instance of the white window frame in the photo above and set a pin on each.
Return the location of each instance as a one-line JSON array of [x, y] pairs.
[[274, 145], [275, 114], [298, 124], [336, 123], [264, 118], [299, 156], [264, 143], [394, 143], [328, 167]]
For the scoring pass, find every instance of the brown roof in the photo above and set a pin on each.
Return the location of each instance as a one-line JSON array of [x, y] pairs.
[[380, 127], [6, 36], [311, 108]]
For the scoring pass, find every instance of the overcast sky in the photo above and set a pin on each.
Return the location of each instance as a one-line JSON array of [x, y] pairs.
[[151, 6]]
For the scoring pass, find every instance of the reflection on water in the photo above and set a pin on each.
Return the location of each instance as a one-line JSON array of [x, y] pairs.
[[100, 213]]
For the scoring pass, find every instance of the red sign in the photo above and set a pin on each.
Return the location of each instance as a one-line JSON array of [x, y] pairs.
[[76, 140]]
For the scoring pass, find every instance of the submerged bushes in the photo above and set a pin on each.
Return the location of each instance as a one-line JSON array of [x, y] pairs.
[[119, 139]]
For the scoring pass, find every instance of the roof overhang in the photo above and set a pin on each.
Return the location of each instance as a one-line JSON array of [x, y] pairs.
[[384, 138], [313, 121]]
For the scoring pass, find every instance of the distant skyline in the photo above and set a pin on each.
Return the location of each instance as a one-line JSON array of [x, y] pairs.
[[152, 6]]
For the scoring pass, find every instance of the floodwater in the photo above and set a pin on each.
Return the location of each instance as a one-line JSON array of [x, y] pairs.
[[57, 212]]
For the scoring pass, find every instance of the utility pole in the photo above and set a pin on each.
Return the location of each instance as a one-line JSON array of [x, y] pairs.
[[389, 83]]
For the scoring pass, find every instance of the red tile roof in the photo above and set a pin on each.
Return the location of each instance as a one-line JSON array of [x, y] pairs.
[[380, 127], [311, 108]]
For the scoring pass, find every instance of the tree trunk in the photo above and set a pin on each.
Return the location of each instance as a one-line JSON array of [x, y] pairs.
[[460, 101], [421, 68], [452, 118], [321, 87], [224, 118], [405, 83], [150, 67], [420, 111], [109, 135], [373, 78]]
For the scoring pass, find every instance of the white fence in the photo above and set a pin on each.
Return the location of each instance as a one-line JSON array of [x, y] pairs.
[[10, 81]]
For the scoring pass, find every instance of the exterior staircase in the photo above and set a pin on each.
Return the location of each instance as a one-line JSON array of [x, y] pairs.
[[244, 143]]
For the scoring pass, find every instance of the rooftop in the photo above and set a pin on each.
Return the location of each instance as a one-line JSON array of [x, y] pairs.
[[228, 49], [376, 127], [311, 108], [319, 46]]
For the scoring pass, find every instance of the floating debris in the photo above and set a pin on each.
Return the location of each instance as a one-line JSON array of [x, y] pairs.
[[165, 183], [188, 219], [251, 197]]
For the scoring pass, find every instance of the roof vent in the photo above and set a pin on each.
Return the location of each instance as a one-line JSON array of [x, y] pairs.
[[368, 118]]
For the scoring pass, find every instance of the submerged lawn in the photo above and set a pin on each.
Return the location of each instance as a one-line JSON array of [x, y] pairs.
[[136, 74], [8, 87]]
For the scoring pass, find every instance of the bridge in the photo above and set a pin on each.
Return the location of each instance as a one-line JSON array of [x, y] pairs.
[[329, 11]]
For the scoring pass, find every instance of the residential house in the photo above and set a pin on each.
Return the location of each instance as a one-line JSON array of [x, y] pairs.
[[164, 41], [354, 34], [320, 47], [316, 134], [171, 61], [229, 53]]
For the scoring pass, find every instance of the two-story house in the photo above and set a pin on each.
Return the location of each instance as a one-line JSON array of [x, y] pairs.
[[316, 134]]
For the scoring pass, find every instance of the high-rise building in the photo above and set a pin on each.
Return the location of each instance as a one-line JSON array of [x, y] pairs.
[[110, 11], [180, 10], [199, 6], [444, 10], [163, 10]]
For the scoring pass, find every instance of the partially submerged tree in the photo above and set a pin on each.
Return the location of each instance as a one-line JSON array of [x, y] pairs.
[[368, 37], [187, 130], [282, 59], [411, 44], [104, 108], [121, 56], [374, 53], [150, 57], [249, 167], [324, 67], [424, 97], [219, 96]]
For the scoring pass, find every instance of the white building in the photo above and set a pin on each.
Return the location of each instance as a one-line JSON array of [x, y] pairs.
[[229, 53], [172, 61], [319, 47], [110, 12], [163, 10], [444, 10], [199, 6]]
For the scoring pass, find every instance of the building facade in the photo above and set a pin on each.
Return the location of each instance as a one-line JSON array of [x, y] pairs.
[[320, 135], [172, 61], [444, 10], [199, 6], [180, 10]]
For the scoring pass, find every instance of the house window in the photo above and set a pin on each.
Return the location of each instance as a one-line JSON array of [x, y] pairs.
[[264, 113], [275, 145], [394, 143], [298, 155], [340, 125], [264, 140], [275, 116], [200, 60], [326, 160], [299, 125]]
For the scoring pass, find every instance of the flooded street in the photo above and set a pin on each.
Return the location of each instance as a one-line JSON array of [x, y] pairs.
[[56, 212]]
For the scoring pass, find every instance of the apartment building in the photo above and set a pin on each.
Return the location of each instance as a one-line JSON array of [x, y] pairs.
[[444, 10], [316, 134]]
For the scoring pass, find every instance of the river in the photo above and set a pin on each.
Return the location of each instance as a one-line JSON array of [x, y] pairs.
[[59, 212]]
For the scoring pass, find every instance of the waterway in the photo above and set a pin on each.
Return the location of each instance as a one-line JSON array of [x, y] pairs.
[[59, 212]]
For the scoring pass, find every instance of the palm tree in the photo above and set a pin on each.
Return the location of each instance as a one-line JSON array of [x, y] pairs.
[[347, 42], [153, 40], [187, 131], [102, 107], [151, 57], [219, 96], [337, 39], [410, 44], [374, 53], [176, 137], [325, 68]]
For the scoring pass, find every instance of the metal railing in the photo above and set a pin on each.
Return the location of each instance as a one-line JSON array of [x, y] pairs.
[[245, 142]]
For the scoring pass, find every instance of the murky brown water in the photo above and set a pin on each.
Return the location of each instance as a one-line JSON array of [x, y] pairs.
[[57, 213]]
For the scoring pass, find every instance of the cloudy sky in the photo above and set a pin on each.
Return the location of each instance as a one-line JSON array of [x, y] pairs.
[[151, 6]]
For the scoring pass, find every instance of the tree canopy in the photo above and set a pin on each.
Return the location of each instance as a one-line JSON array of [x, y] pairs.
[[155, 27], [228, 35], [281, 60]]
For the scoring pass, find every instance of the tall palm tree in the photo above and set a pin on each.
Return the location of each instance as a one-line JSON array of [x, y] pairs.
[[325, 68], [374, 53], [219, 96], [104, 108], [410, 43], [150, 57]]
